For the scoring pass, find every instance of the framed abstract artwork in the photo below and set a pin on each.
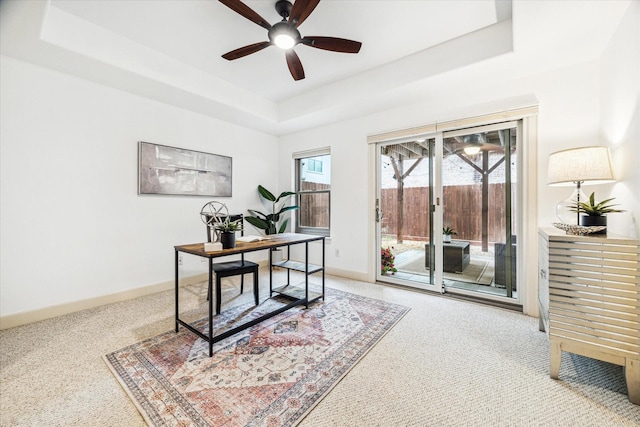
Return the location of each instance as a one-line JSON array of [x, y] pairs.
[[177, 171]]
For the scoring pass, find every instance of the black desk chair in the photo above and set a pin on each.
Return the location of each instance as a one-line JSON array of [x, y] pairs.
[[233, 268]]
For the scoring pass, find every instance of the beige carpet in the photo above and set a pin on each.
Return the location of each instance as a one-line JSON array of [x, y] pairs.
[[446, 363], [478, 271]]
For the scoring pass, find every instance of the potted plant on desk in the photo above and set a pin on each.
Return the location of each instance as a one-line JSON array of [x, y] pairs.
[[447, 232], [228, 232], [270, 222], [595, 213]]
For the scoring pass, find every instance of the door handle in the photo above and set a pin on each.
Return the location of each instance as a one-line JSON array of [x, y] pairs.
[[378, 215]]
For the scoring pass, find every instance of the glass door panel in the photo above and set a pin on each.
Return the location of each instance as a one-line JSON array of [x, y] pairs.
[[404, 213], [478, 183]]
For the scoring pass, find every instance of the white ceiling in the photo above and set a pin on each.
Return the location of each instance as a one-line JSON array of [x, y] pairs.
[[389, 30], [171, 50]]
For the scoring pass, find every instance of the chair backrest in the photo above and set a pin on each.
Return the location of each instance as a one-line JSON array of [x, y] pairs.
[[232, 217]]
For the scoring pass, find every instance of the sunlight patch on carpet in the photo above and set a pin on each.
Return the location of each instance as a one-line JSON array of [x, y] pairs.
[[271, 374]]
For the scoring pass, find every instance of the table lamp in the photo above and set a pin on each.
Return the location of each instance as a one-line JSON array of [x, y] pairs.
[[577, 166]]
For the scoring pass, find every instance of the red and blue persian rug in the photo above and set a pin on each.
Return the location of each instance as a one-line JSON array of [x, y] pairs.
[[272, 374]]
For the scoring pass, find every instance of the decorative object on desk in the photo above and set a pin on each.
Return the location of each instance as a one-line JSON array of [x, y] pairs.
[[212, 246], [447, 232], [578, 230], [228, 239], [213, 214], [595, 213], [172, 380], [270, 222], [249, 238], [387, 261], [577, 166], [228, 226], [228, 230], [177, 171]]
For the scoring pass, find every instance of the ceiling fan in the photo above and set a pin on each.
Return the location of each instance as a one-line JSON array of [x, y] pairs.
[[285, 33]]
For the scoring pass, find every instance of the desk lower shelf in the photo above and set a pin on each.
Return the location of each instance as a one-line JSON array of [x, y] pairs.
[[297, 292], [298, 266]]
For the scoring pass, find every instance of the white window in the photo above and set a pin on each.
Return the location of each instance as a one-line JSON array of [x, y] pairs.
[[313, 188]]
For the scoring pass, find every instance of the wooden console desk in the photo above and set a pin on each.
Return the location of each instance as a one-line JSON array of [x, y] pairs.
[[297, 294]]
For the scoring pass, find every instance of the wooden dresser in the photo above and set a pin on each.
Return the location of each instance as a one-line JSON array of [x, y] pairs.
[[589, 297]]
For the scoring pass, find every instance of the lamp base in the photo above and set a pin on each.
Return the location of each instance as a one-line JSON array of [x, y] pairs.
[[563, 208]]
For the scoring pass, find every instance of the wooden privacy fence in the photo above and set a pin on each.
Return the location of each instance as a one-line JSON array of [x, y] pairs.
[[314, 210], [462, 212]]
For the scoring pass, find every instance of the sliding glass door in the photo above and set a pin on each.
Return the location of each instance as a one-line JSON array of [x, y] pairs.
[[478, 192], [447, 211], [404, 213]]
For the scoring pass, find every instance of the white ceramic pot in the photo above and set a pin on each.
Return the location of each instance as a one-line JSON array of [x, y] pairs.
[[276, 255]]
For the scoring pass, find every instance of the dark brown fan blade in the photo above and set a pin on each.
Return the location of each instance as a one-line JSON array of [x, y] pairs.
[[332, 43], [245, 50], [247, 12], [295, 66], [301, 10]]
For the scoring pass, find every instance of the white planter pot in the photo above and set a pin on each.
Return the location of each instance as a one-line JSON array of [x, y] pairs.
[[276, 255]]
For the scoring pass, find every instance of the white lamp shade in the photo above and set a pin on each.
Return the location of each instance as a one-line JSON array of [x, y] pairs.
[[589, 165]]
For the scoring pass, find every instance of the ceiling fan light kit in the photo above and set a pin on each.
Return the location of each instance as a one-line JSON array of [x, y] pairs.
[[472, 149], [285, 34]]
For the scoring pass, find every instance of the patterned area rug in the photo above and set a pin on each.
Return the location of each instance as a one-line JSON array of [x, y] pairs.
[[272, 374]]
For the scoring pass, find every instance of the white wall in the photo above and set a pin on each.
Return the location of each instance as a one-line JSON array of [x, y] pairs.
[[620, 120], [72, 224]]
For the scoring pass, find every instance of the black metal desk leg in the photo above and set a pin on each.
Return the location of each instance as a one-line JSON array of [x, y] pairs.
[[218, 293], [322, 268], [176, 277], [270, 275], [306, 274], [255, 287], [211, 307]]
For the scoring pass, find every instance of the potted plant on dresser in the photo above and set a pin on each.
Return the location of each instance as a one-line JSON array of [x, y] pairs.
[[595, 212]]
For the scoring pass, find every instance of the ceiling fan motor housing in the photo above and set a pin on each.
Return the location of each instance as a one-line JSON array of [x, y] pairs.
[[283, 7]]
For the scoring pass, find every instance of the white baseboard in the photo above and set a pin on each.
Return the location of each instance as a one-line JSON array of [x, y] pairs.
[[26, 317], [348, 274]]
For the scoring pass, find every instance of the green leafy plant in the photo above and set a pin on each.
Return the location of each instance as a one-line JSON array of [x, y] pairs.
[[388, 260], [592, 208], [448, 231], [269, 222], [229, 226]]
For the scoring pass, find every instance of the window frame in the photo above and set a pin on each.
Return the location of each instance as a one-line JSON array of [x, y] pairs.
[[298, 158]]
